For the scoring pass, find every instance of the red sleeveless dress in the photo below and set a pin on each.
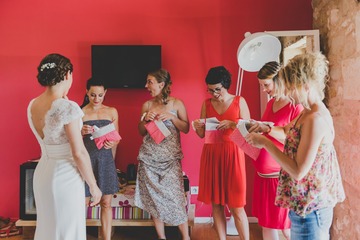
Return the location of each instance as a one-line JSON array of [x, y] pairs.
[[222, 168]]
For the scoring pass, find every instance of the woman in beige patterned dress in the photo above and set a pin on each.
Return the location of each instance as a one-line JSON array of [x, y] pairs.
[[159, 185]]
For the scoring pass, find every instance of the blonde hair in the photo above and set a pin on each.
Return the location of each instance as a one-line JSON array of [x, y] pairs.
[[309, 69], [270, 71]]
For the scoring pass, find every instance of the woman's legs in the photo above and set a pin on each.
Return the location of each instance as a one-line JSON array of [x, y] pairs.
[[273, 234], [241, 222], [270, 234], [315, 225], [160, 228], [184, 230], [219, 220], [286, 233], [106, 216]]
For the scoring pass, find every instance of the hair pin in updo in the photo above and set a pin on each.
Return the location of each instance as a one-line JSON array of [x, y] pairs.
[[47, 66]]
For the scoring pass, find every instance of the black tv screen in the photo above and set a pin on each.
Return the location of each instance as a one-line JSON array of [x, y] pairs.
[[124, 66]]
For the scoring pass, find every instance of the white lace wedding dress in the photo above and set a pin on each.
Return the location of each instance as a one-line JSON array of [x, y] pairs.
[[58, 187]]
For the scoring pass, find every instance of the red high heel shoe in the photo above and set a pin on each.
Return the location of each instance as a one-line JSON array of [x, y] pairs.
[[9, 230], [4, 221]]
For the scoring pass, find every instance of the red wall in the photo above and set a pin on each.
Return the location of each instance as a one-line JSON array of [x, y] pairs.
[[195, 35]]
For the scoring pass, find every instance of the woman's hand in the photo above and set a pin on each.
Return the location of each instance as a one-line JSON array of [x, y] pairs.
[[86, 129], [96, 195], [150, 116], [258, 127], [109, 144], [226, 124], [198, 125], [256, 139], [165, 116]]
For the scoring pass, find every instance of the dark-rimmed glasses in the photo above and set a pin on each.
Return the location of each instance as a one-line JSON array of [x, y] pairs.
[[215, 90]]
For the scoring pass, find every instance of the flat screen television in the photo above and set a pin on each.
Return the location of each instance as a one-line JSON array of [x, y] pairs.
[[124, 66]]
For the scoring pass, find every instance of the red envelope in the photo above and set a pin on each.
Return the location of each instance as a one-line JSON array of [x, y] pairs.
[[106, 133], [157, 130], [248, 149]]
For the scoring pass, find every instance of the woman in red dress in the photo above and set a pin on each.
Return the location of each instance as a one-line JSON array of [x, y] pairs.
[[280, 111], [222, 170]]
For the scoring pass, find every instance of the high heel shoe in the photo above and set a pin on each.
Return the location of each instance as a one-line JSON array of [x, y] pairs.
[[9, 230], [4, 222]]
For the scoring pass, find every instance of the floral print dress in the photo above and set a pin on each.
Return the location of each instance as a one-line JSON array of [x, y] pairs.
[[159, 185], [320, 188]]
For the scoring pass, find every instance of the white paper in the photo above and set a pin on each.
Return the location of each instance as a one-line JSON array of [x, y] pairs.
[[98, 132], [162, 127], [210, 123], [241, 125]]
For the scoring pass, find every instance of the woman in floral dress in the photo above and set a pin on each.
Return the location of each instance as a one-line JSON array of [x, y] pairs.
[[159, 184], [310, 182]]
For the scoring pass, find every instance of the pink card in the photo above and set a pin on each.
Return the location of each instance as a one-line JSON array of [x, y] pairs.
[[239, 140], [106, 133], [111, 136], [157, 130]]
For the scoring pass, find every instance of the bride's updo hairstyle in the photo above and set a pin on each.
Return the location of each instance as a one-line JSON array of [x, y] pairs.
[[52, 69]]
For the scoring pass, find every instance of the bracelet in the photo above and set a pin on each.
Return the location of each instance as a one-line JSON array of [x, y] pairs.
[[143, 116], [269, 128]]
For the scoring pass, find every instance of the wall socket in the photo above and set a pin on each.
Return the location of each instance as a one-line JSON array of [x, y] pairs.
[[194, 190]]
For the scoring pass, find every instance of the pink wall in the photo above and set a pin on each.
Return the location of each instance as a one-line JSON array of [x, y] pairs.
[[195, 35]]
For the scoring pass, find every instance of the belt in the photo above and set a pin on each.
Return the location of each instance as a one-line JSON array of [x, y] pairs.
[[269, 175]]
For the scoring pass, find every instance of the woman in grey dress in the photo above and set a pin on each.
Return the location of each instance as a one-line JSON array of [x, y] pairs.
[[159, 185], [102, 160]]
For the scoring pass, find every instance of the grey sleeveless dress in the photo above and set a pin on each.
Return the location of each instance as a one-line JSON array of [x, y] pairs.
[[159, 184], [102, 162]]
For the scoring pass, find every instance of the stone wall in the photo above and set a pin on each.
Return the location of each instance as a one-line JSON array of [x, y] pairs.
[[339, 25]]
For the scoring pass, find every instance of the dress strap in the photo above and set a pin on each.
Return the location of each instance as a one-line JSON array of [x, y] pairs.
[[297, 119], [237, 102], [207, 105], [329, 125]]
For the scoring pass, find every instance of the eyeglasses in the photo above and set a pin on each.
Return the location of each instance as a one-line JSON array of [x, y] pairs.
[[215, 90]]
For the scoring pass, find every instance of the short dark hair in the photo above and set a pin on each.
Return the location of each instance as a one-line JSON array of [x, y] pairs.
[[219, 75], [52, 69]]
